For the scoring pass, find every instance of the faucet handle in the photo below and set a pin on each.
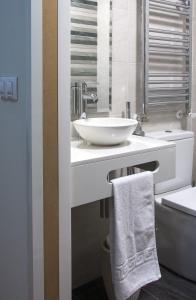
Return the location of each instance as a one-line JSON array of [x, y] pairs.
[[128, 110], [83, 116], [84, 86], [139, 131]]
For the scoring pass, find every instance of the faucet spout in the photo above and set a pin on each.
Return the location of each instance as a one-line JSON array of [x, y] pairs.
[[81, 98]]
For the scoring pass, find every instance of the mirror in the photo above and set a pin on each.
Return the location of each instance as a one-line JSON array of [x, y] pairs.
[[91, 55]]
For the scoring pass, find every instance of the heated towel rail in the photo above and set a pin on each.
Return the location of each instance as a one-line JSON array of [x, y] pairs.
[[167, 53]]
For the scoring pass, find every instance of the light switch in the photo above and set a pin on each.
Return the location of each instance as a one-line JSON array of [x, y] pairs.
[[2, 88], [8, 88]]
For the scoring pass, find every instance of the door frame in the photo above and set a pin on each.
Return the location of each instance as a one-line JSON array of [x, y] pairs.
[[65, 288], [37, 149]]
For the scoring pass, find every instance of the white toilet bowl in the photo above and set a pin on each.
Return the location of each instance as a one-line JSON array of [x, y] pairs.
[[175, 208], [175, 231]]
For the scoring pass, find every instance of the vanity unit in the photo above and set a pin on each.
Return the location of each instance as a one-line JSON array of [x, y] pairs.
[[91, 165]]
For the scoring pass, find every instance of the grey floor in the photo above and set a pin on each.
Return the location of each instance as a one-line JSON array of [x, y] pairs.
[[169, 287]]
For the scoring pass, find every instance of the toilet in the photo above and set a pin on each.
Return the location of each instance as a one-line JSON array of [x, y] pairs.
[[175, 208]]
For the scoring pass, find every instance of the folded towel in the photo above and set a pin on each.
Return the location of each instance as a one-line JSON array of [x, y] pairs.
[[132, 234]]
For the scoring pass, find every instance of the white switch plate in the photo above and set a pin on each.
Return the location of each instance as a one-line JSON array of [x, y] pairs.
[[8, 88]]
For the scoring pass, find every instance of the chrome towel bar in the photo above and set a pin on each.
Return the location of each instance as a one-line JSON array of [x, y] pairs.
[[170, 3], [160, 89], [156, 30], [162, 9], [168, 74], [167, 81], [167, 103], [167, 53], [167, 38], [167, 96], [156, 45]]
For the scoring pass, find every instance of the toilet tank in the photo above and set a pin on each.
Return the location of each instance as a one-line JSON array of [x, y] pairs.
[[184, 158]]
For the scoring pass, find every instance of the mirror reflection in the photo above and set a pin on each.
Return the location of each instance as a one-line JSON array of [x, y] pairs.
[[91, 57]]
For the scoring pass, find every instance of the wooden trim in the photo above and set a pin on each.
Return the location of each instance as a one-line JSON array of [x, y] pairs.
[[37, 148], [50, 141]]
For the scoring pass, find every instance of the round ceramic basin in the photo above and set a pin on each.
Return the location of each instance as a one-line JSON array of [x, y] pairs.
[[105, 131]]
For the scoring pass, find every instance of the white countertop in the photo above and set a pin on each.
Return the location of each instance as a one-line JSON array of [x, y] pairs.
[[83, 153]]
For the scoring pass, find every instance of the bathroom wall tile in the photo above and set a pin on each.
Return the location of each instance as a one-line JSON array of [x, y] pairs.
[[194, 157], [120, 82], [161, 121], [132, 34], [120, 41], [194, 43], [194, 166], [194, 88], [193, 121], [122, 4], [132, 86], [124, 34]]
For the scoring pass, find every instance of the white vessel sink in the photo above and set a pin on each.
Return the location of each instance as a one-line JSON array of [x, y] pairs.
[[105, 131]]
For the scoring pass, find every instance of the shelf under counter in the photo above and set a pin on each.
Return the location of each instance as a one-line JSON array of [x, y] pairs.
[[91, 164]]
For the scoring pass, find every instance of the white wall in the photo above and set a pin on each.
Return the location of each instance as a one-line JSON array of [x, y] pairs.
[[124, 50], [15, 189]]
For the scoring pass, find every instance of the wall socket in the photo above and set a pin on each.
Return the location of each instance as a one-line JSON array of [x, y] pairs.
[[8, 88]]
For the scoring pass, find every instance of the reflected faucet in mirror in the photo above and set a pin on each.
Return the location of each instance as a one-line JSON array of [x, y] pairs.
[[80, 98]]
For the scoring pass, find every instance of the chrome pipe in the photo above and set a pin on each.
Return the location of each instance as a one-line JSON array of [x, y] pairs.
[[168, 53], [159, 89], [170, 39], [170, 3], [168, 32], [128, 110], [167, 46], [170, 10], [168, 81], [167, 102], [167, 96], [168, 74]]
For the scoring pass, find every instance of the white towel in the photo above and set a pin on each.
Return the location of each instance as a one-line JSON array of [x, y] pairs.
[[132, 234]]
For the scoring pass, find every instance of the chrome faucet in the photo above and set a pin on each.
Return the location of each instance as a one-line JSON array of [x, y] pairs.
[[80, 98], [139, 131]]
